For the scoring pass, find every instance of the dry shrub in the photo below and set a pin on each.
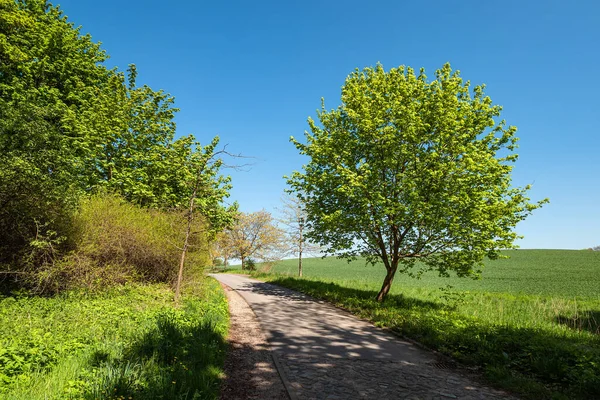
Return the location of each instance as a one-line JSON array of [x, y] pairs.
[[116, 242]]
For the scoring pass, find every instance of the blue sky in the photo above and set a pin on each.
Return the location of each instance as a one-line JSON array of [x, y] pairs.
[[252, 72]]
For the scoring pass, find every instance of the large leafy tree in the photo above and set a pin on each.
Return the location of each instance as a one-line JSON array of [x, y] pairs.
[[48, 72], [133, 151], [408, 170]]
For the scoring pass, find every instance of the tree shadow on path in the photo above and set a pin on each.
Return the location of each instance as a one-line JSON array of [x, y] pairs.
[[520, 355], [336, 290]]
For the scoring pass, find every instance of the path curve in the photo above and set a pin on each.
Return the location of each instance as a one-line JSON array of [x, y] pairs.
[[327, 353]]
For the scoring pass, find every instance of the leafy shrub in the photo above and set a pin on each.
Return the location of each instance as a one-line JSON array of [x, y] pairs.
[[35, 213], [250, 264], [218, 262]]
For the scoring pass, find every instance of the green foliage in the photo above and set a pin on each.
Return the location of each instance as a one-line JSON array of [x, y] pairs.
[[526, 326], [250, 264], [35, 212], [133, 150], [131, 136], [70, 127], [129, 341], [218, 262], [407, 170], [206, 189], [48, 72]]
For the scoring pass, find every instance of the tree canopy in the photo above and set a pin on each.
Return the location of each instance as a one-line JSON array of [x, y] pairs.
[[408, 170]]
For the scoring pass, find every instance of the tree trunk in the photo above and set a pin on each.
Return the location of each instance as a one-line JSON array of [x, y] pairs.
[[243, 262], [300, 256], [190, 218], [387, 283], [180, 273], [184, 250]]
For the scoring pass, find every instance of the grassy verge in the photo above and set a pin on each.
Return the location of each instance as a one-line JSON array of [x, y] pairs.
[[125, 343], [538, 346]]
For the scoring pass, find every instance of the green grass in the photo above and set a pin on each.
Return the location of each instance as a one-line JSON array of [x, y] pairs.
[[128, 342], [532, 323]]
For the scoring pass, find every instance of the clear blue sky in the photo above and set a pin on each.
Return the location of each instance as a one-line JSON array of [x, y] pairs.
[[252, 72]]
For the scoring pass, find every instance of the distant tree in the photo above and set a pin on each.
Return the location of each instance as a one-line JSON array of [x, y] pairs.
[[222, 248], [255, 235], [407, 170], [293, 217], [596, 248]]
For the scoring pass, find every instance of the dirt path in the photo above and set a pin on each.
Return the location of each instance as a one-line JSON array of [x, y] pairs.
[[326, 353], [249, 368]]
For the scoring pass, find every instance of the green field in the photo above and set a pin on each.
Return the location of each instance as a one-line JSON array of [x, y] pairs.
[[565, 273], [531, 323], [127, 342]]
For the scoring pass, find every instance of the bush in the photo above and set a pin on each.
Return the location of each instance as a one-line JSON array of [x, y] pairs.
[[218, 262], [117, 242], [35, 213], [250, 264]]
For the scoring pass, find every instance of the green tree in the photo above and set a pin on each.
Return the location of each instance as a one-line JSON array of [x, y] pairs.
[[132, 151], [208, 191], [407, 170], [48, 73], [70, 127]]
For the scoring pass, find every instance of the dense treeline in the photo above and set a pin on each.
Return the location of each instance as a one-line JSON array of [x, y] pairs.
[[72, 130]]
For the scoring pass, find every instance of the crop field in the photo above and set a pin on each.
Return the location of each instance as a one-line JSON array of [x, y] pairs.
[[531, 323], [565, 273]]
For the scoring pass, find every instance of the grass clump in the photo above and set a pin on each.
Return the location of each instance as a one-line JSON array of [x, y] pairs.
[[539, 345], [125, 342]]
